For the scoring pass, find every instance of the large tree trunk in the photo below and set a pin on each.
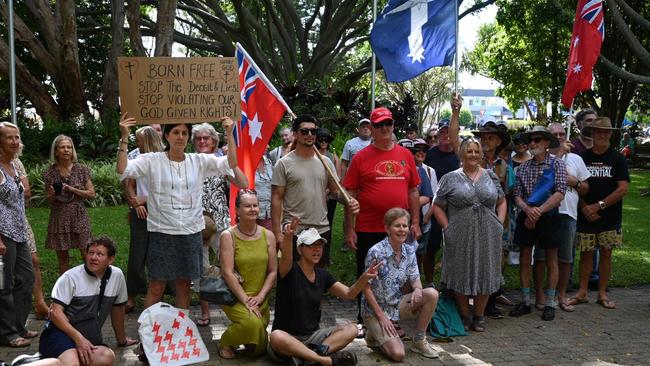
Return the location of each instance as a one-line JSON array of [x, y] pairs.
[[135, 36], [165, 27], [73, 93], [110, 87], [29, 86]]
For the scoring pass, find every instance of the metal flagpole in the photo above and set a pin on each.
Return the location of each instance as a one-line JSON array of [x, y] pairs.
[[373, 79], [12, 62], [457, 63]]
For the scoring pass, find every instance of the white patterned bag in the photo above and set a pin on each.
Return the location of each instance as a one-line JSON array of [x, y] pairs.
[[169, 337]]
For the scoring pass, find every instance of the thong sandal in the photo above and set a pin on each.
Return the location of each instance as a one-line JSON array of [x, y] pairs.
[[606, 303], [577, 300], [30, 334], [203, 322], [19, 342], [567, 307]]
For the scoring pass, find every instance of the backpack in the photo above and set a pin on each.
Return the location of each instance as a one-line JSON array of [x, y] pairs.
[[446, 321]]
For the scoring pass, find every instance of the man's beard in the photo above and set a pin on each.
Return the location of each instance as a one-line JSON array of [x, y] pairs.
[[537, 151]]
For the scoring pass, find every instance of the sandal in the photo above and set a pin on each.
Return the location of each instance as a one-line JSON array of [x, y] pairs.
[[19, 342], [30, 334], [479, 324], [226, 353], [467, 322], [203, 322], [606, 303], [577, 300], [567, 307], [361, 331]]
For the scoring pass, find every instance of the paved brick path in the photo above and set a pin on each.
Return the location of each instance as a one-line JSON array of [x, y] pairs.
[[590, 336]]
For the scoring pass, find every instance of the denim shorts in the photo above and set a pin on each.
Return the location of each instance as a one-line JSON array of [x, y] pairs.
[[565, 236]]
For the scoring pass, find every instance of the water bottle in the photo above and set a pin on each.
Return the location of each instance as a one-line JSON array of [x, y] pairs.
[[2, 274]]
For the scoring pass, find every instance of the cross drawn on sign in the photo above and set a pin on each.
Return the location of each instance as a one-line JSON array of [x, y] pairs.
[[179, 90]]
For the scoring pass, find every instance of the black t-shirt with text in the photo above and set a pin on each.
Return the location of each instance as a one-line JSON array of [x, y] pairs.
[[297, 303], [606, 171], [442, 162]]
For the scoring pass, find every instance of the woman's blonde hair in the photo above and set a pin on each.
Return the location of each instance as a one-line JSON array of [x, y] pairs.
[[55, 144], [464, 145], [3, 126], [151, 141], [394, 214]]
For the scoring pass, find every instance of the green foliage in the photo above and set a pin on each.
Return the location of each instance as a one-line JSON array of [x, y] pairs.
[[108, 190], [525, 51], [94, 139], [466, 119]]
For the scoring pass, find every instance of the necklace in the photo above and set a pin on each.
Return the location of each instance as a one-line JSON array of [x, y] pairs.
[[474, 176], [245, 233]]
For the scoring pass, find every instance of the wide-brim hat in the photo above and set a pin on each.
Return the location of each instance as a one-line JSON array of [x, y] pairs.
[[324, 133], [603, 123], [491, 127], [541, 130]]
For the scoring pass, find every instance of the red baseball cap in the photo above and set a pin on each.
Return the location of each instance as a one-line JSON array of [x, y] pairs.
[[380, 114]]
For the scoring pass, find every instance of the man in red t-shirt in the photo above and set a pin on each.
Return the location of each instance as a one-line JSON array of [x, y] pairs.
[[381, 176]]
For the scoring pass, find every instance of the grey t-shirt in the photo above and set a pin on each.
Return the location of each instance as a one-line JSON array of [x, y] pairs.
[[305, 181], [352, 147]]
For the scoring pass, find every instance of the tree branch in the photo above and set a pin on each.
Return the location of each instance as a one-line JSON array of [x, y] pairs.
[[628, 36], [633, 15], [619, 72], [475, 7]]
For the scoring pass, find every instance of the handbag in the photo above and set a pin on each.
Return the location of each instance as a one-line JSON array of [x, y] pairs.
[[170, 337], [214, 289]]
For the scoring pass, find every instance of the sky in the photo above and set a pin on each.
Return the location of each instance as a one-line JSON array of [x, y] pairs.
[[468, 31]]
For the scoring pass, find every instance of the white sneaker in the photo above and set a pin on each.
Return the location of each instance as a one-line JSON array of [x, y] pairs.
[[425, 348]]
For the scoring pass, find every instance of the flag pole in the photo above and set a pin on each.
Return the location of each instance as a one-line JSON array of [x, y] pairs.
[[457, 64], [373, 77], [12, 62]]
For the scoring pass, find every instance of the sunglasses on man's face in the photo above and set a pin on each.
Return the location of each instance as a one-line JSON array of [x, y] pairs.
[[415, 151], [383, 124], [307, 131]]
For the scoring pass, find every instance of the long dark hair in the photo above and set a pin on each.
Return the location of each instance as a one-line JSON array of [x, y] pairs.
[[167, 129]]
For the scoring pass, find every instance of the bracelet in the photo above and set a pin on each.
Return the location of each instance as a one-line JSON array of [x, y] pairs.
[[122, 141], [120, 149]]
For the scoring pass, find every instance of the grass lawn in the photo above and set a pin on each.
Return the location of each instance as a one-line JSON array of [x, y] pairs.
[[631, 263]]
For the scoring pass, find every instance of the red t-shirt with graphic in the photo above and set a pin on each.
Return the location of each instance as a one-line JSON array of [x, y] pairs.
[[382, 180]]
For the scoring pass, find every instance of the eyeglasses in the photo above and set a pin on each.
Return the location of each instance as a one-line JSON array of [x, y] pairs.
[[307, 131], [388, 123], [537, 139]]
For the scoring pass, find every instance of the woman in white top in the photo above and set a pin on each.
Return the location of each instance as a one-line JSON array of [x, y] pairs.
[[175, 213]]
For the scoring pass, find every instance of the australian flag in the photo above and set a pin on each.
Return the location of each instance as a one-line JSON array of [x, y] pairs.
[[262, 107], [411, 36], [587, 38]]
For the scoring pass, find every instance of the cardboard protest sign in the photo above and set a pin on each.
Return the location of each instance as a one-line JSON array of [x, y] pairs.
[[179, 90]]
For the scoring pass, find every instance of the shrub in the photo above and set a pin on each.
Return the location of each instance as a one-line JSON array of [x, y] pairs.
[[108, 190]]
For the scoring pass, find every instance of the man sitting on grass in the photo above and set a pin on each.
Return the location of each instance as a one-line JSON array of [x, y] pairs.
[[82, 298]]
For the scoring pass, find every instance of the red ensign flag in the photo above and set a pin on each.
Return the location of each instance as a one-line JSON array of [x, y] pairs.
[[588, 35]]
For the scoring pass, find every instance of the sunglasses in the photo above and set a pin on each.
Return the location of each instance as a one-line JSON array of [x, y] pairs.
[[537, 139], [322, 140], [307, 131], [415, 151], [383, 124]]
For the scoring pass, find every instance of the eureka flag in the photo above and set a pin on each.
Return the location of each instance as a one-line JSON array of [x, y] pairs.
[[588, 35], [262, 107], [411, 36]]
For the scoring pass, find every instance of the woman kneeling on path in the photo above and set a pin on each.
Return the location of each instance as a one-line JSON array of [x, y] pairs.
[[249, 266], [383, 303]]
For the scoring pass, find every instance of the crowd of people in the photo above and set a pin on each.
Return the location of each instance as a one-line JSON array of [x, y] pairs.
[[485, 200]]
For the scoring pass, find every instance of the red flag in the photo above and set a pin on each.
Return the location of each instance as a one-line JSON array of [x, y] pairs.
[[588, 35], [262, 107]]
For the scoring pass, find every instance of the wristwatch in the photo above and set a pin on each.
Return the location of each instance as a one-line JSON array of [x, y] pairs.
[[602, 205]]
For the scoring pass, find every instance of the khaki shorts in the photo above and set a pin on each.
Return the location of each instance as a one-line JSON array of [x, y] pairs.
[[586, 242], [373, 327]]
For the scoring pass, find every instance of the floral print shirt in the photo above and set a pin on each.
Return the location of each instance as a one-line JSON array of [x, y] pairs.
[[392, 276]]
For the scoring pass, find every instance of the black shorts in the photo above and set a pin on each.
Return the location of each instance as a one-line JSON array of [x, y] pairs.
[[546, 233]]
